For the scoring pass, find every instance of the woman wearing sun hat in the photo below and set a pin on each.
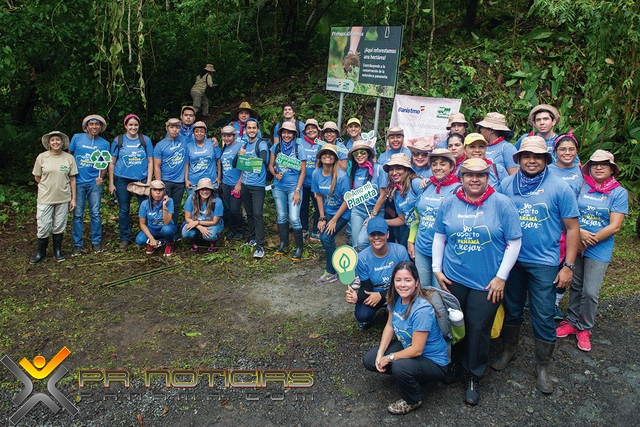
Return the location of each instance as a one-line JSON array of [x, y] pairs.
[[203, 159], [457, 124], [203, 212], [156, 220], [603, 204], [476, 243], [420, 156], [494, 130], [330, 134], [55, 172]]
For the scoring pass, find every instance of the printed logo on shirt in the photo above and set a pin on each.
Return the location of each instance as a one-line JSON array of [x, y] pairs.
[[176, 160], [384, 267], [130, 160], [532, 215], [471, 239], [603, 197], [64, 168], [593, 217]]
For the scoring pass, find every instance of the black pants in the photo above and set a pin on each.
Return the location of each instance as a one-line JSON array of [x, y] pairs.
[[175, 191], [407, 373], [304, 210], [233, 218], [253, 202]]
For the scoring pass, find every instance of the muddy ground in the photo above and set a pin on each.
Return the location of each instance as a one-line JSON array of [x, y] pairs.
[[227, 311]]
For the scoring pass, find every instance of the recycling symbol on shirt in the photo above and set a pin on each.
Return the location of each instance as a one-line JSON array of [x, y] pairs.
[[101, 159]]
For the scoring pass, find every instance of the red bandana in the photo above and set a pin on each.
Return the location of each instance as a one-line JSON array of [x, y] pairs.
[[605, 188], [497, 141], [448, 180], [462, 196], [310, 141]]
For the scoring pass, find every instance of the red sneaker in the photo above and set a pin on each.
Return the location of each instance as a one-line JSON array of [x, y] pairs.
[[565, 329], [150, 249], [584, 340], [168, 250]]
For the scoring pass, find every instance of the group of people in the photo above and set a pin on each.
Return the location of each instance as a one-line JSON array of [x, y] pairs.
[[486, 220]]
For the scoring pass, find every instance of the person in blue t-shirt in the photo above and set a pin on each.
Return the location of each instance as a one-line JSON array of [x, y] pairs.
[[603, 204], [412, 347], [203, 159], [89, 150], [289, 114], [131, 161], [475, 146], [375, 265], [457, 124], [203, 215], [546, 205], [420, 156], [253, 184], [232, 184], [156, 220], [498, 136], [310, 144], [169, 163], [330, 135], [476, 242], [187, 117], [395, 140], [288, 164]]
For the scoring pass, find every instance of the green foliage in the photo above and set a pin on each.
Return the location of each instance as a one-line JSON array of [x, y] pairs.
[[16, 202]]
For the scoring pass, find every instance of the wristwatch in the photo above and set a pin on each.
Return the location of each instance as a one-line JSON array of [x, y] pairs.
[[571, 266], [392, 357]]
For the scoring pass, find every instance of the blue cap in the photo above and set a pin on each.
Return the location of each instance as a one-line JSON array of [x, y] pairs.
[[377, 224]]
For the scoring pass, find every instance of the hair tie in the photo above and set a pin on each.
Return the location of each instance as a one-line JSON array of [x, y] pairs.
[[129, 116]]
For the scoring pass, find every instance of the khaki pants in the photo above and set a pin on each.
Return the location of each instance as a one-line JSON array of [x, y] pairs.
[[52, 219], [200, 99]]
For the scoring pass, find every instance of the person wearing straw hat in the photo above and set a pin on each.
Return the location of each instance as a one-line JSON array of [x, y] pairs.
[[156, 220], [457, 124], [420, 156], [84, 147], [443, 183], [239, 117], [169, 164], [310, 144], [475, 147], [203, 212], [55, 172], [494, 130], [395, 141], [289, 114], [232, 184], [131, 161], [546, 205], [203, 159], [476, 242], [330, 134], [603, 204], [199, 88], [287, 186]]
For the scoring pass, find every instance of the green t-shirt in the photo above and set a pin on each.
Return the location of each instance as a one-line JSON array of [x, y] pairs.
[[54, 173]]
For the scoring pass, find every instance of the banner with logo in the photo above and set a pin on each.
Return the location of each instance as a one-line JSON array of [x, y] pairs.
[[364, 60], [423, 118]]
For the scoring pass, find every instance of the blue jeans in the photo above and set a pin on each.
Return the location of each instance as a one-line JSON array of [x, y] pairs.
[[90, 193], [366, 313], [359, 215], [423, 264], [307, 195], [537, 280], [329, 242], [124, 202], [194, 233], [286, 208], [166, 233], [175, 190]]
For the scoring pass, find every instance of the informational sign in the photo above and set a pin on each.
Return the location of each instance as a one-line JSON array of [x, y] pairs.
[[101, 159], [423, 118], [285, 161], [364, 60], [249, 164], [360, 195]]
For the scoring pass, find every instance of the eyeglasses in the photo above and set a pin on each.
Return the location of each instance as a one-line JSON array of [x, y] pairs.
[[360, 153], [419, 154], [600, 164], [567, 150]]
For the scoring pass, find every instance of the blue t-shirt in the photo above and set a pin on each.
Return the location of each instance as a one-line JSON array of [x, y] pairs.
[[253, 149], [384, 158], [218, 209], [427, 208], [424, 173], [310, 150], [550, 144], [497, 173], [82, 147], [476, 238], [186, 134], [132, 157], [173, 157], [541, 213], [379, 270], [405, 204], [230, 175], [342, 150], [321, 184], [595, 214], [155, 220], [379, 180], [421, 319], [203, 161], [290, 176], [502, 154], [572, 176]]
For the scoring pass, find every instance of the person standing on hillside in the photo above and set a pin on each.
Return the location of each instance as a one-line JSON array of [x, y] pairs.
[[89, 180], [199, 88], [289, 114], [240, 116]]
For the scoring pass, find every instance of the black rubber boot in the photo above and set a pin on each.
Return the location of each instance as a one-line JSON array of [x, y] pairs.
[[544, 350], [297, 236], [42, 250], [57, 247], [510, 335], [283, 231]]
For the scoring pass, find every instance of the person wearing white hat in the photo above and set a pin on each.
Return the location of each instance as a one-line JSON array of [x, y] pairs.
[[55, 172], [199, 88], [203, 212], [500, 150], [203, 159]]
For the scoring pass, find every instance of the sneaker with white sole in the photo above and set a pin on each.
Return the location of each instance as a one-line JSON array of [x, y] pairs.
[[259, 252], [565, 329], [401, 407], [251, 243], [327, 278], [584, 340]]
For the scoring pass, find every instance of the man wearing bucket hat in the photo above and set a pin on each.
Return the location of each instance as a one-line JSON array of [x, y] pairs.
[[546, 205], [88, 149], [395, 141], [239, 117], [289, 113], [494, 130], [55, 172], [199, 88], [169, 164]]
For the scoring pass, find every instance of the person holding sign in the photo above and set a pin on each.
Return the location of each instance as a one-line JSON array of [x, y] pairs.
[[375, 265], [288, 164], [252, 159], [477, 233], [90, 151]]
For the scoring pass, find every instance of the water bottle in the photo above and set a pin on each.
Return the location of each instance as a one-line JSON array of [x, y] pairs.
[[457, 324]]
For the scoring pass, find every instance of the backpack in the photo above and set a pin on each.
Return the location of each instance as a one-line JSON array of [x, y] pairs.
[[442, 301], [120, 140]]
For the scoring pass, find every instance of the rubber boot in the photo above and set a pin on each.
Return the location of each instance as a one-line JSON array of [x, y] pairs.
[[42, 250], [57, 247], [297, 236], [510, 335], [283, 231], [544, 350]]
